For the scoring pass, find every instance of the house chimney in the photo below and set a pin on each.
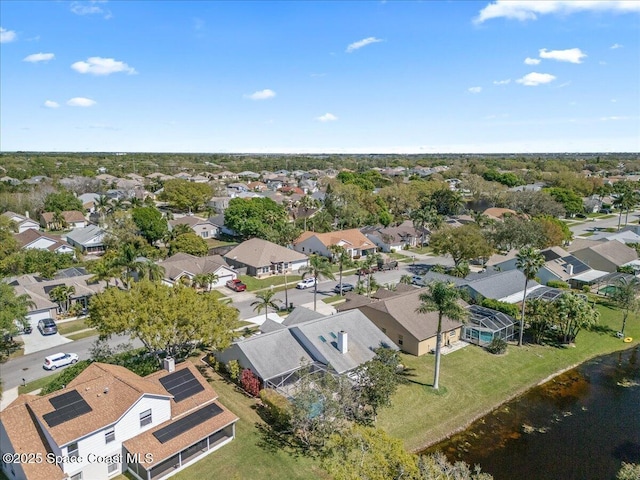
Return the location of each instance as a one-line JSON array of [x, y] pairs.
[[569, 269], [343, 344], [169, 364]]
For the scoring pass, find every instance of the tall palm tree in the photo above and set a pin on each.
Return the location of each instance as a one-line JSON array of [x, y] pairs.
[[205, 280], [529, 260], [342, 258], [149, 270], [127, 259], [265, 301], [368, 264], [318, 267], [443, 298], [103, 270], [62, 296]]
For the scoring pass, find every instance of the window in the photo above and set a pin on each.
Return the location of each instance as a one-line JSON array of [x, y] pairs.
[[205, 234], [109, 435], [145, 418], [112, 468], [72, 450], [77, 476], [400, 340]]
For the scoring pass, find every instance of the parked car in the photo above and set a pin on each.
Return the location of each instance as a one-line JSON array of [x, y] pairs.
[[236, 285], [59, 360], [417, 280], [47, 326], [22, 329], [306, 283], [346, 287]]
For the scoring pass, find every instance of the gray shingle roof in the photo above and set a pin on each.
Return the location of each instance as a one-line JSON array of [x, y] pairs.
[[301, 314], [499, 285], [83, 235]]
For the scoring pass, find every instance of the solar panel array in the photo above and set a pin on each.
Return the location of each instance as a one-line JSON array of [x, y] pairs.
[[181, 384], [578, 265], [67, 407], [187, 423]]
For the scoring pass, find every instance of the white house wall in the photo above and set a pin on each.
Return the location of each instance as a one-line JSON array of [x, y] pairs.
[[312, 245]]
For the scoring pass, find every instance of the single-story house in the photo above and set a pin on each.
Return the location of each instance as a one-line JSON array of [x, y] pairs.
[[71, 219], [23, 222], [37, 240], [151, 426], [340, 343], [353, 241], [183, 266], [261, 257], [89, 239], [606, 256], [393, 238], [202, 227]]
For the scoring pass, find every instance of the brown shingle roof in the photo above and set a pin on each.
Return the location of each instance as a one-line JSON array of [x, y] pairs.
[[31, 235], [260, 253], [353, 237], [69, 216], [180, 263], [25, 437]]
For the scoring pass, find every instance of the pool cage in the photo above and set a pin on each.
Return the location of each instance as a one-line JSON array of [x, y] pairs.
[[485, 324], [546, 293], [287, 384]]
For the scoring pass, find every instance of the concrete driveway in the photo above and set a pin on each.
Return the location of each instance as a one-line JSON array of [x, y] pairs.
[[35, 341]]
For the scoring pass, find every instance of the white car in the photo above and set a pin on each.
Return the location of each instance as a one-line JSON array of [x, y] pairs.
[[306, 283], [417, 280], [59, 360]]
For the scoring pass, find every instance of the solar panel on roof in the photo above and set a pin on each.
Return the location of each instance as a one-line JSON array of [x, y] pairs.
[[549, 255], [67, 407], [187, 423], [181, 384]]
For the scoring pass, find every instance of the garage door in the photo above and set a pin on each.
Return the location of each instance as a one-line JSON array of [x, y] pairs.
[[34, 317]]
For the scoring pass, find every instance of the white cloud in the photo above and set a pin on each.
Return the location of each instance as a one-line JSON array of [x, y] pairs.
[[571, 55], [502, 82], [530, 9], [90, 8], [362, 43], [261, 95], [327, 117], [475, 90], [51, 104], [534, 79], [38, 57], [81, 102], [616, 46], [102, 66], [531, 61], [614, 118], [7, 36]]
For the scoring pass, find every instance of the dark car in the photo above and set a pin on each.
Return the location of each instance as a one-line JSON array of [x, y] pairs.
[[346, 287], [47, 326]]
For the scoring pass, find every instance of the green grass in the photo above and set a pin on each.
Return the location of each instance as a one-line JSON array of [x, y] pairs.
[[36, 384], [217, 294], [245, 457], [84, 334], [214, 242], [333, 299], [253, 283], [587, 234], [475, 381], [65, 328]]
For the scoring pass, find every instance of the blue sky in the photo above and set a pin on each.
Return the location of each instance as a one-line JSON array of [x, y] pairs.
[[335, 76]]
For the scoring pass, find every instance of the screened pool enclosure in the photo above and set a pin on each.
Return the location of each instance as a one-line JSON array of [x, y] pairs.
[[486, 324]]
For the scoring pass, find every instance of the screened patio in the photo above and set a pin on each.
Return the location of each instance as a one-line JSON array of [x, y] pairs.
[[485, 324]]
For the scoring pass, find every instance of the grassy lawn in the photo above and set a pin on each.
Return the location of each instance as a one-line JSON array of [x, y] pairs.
[[245, 457], [65, 328], [253, 283], [473, 381], [36, 384], [333, 299], [217, 294], [84, 334], [214, 242]]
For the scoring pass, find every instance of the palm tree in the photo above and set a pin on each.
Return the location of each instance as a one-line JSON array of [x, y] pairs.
[[62, 296], [265, 301], [342, 258], [128, 260], [205, 280], [625, 296], [368, 263], [103, 270], [103, 206], [529, 260], [406, 279], [149, 270], [58, 222], [443, 298], [318, 267]]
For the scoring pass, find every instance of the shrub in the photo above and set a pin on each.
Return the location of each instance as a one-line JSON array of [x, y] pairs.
[[250, 382], [277, 408], [498, 346], [233, 367], [508, 308], [67, 375], [557, 284], [586, 289]]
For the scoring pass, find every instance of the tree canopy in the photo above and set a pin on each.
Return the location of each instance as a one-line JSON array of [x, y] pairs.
[[185, 195], [165, 319], [462, 243], [62, 201], [152, 225]]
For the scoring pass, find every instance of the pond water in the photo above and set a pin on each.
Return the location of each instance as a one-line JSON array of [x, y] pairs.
[[581, 425]]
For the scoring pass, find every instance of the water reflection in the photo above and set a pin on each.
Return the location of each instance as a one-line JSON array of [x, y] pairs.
[[581, 425]]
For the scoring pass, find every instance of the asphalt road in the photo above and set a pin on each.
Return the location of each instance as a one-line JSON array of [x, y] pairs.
[[611, 222], [30, 368]]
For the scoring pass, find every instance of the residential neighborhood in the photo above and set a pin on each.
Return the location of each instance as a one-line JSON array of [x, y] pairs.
[[201, 291]]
